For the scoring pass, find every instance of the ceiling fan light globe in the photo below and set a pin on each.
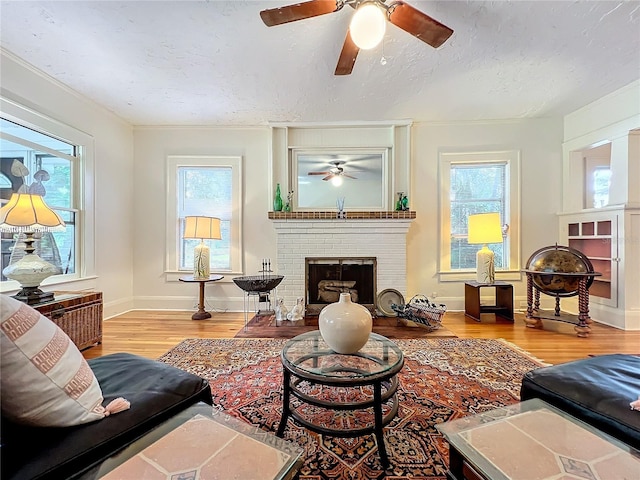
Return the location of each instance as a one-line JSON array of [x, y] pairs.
[[336, 181], [368, 26]]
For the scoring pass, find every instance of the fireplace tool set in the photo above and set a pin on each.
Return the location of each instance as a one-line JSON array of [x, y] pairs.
[[258, 290]]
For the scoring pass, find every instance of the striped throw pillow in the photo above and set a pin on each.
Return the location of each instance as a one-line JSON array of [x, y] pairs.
[[45, 379]]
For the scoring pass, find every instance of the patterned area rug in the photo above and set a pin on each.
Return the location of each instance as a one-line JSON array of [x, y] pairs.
[[264, 326], [442, 379]]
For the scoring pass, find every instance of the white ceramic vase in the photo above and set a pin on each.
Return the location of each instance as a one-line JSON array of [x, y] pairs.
[[345, 326]]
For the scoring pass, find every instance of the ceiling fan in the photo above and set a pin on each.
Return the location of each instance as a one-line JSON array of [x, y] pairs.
[[336, 171], [398, 13]]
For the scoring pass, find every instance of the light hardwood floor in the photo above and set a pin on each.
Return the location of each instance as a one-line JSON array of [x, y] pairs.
[[152, 333]]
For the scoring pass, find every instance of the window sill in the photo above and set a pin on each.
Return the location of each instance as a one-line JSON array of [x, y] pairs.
[[468, 275]]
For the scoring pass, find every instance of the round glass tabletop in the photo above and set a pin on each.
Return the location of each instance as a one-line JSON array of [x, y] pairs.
[[308, 356]]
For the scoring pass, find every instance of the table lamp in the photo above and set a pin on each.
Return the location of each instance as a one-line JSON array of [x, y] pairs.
[[28, 214], [485, 228], [202, 228]]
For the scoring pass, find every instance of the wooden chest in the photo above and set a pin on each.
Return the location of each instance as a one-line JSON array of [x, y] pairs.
[[78, 314]]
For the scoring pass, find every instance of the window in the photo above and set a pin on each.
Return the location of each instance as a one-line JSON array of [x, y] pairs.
[[601, 182], [479, 182], [33, 161], [207, 186]]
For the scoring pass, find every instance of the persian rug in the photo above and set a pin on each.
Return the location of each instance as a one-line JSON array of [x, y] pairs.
[[442, 379], [264, 326]]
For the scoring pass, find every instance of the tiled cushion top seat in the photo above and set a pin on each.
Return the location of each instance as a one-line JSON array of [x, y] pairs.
[[596, 390]]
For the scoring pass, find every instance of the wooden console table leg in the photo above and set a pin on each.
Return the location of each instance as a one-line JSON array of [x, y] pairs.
[[201, 314], [504, 301], [472, 301]]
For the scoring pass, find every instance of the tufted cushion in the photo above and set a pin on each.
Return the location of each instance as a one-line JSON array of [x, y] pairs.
[[45, 379]]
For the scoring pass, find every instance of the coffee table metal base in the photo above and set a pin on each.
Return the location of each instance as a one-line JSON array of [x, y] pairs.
[[380, 397], [369, 378]]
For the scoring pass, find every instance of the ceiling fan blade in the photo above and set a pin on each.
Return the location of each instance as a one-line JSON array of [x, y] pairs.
[[329, 177], [318, 173], [419, 24], [349, 176], [298, 11], [347, 57]]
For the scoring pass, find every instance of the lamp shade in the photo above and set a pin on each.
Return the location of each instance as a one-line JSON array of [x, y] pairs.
[[367, 26], [29, 213], [484, 228], [202, 227]]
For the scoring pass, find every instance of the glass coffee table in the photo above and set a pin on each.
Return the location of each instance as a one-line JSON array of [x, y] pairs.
[[317, 382], [203, 442], [536, 441]]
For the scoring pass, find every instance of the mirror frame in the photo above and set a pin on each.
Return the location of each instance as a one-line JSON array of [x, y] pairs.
[[324, 157]]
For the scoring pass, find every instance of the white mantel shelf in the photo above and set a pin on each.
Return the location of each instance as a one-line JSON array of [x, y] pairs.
[[333, 215]]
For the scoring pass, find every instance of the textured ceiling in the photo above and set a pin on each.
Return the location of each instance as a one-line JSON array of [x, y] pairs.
[[214, 62]]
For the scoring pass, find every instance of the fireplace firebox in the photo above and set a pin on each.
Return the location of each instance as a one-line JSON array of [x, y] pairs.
[[326, 278]]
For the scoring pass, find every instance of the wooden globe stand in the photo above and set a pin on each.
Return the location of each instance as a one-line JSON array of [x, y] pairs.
[[535, 314]]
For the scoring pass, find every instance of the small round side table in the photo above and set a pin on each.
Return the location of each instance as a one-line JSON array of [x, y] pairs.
[[201, 314]]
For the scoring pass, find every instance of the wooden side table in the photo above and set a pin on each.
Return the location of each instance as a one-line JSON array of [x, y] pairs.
[[504, 300], [201, 314]]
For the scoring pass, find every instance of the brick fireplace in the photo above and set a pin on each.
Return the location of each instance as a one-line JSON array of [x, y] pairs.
[[373, 235]]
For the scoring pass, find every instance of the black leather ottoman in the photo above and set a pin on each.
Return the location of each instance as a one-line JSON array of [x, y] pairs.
[[596, 390], [157, 392]]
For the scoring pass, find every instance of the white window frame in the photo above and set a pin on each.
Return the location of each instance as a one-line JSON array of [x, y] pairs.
[[512, 211], [174, 162], [83, 188]]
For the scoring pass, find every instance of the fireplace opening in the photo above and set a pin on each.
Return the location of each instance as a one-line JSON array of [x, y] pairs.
[[327, 278]]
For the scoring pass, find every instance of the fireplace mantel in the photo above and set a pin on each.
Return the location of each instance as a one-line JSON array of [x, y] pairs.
[[349, 215]]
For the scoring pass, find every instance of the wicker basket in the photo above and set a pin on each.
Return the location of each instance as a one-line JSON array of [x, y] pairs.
[[421, 310]]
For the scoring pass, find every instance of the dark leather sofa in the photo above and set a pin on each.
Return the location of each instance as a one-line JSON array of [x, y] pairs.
[[596, 390], [156, 391]]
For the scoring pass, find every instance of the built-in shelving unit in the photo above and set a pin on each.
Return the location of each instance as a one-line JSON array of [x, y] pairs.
[[595, 235]]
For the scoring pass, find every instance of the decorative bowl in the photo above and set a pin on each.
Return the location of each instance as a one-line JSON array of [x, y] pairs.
[[258, 283]]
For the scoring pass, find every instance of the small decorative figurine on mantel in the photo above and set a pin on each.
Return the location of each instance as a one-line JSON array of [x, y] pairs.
[[402, 204], [287, 206], [340, 205]]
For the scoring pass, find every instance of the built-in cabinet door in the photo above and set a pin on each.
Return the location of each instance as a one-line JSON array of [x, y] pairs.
[[595, 234]]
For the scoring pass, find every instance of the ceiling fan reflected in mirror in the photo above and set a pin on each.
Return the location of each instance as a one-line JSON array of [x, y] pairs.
[[335, 174], [367, 24]]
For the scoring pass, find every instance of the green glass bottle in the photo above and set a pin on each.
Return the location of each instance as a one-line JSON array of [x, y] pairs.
[[277, 202]]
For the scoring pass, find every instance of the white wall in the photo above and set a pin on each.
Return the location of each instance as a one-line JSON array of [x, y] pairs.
[[113, 182], [539, 142], [152, 146], [609, 119]]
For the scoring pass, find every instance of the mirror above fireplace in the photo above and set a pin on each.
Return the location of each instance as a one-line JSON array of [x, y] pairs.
[[357, 175]]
